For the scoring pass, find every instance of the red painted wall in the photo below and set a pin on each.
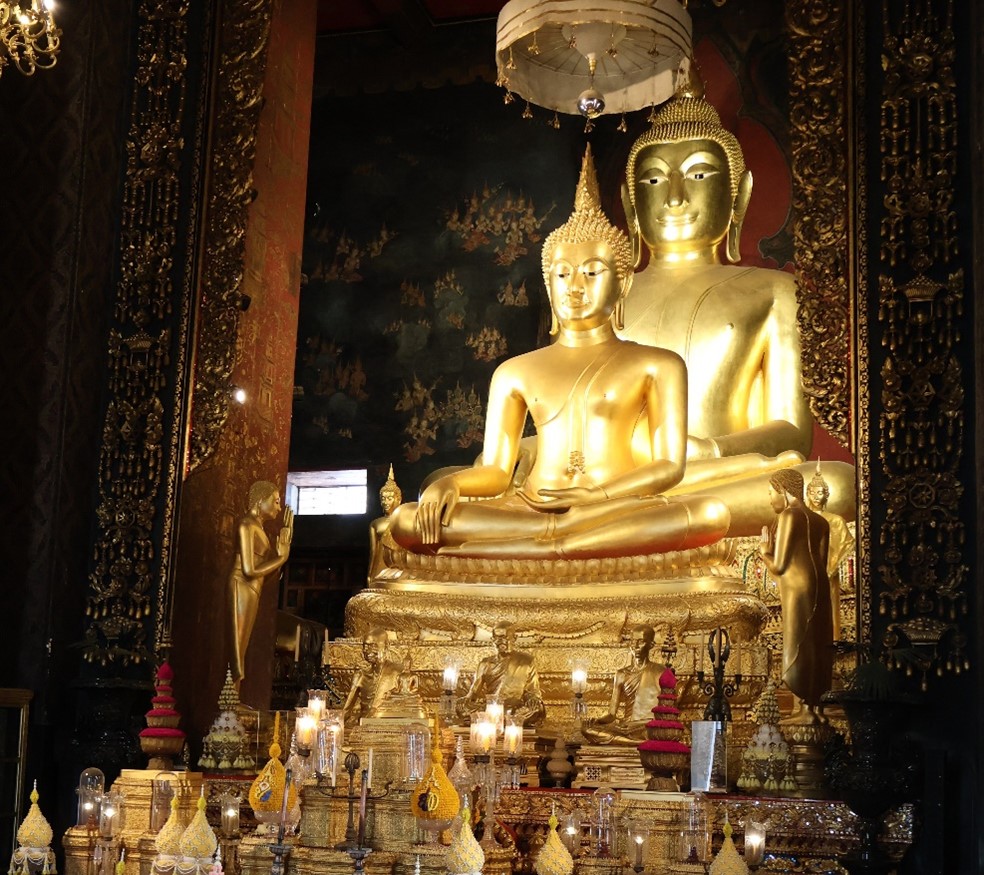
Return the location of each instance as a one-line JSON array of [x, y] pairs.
[[255, 442]]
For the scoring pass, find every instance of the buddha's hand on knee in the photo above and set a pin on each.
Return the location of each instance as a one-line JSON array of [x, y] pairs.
[[434, 509], [565, 499]]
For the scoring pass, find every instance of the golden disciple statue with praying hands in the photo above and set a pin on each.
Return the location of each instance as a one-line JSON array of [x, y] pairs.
[[611, 422], [255, 559], [794, 549]]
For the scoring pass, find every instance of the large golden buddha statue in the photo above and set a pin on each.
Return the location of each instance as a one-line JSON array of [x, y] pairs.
[[687, 190], [611, 421], [568, 539]]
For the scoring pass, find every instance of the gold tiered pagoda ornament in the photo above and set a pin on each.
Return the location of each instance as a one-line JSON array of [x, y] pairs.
[[465, 856], [554, 858], [33, 855], [766, 764], [225, 746], [266, 793], [162, 741]]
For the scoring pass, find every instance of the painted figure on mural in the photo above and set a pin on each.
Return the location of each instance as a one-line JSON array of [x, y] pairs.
[[686, 194], [635, 692], [794, 550], [510, 678], [842, 543], [255, 559], [611, 421]]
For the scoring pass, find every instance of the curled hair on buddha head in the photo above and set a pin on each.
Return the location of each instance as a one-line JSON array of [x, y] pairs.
[[261, 490], [588, 222], [788, 480], [688, 116]]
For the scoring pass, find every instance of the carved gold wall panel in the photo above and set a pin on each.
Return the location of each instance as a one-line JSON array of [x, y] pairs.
[[818, 117], [137, 447], [921, 438], [142, 462]]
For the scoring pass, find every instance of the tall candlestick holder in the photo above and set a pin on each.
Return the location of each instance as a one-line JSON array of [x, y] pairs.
[[718, 688], [355, 827], [280, 849]]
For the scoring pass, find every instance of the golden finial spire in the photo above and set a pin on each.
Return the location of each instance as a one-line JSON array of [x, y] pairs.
[[587, 197]]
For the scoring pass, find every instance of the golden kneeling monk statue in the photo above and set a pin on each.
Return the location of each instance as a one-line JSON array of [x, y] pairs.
[[686, 194], [794, 550], [255, 559], [635, 693], [611, 421], [372, 684], [509, 678]]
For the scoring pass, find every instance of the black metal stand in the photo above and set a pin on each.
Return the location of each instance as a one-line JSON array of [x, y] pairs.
[[718, 688]]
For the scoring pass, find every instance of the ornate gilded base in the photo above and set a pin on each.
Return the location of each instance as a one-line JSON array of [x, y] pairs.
[[589, 610], [612, 765]]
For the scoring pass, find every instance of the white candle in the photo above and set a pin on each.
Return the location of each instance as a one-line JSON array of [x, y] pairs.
[[450, 678], [512, 739], [579, 680], [754, 843], [369, 768], [496, 714], [297, 647]]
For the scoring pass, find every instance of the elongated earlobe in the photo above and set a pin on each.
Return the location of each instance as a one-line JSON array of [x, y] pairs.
[[618, 315], [554, 326], [635, 236], [742, 198]]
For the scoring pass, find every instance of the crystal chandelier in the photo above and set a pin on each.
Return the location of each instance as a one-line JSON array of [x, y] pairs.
[[29, 37]]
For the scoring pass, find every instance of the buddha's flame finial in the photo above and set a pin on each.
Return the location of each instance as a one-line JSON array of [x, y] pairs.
[[587, 198]]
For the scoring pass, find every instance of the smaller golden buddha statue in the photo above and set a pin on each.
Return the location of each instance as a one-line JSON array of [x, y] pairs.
[[510, 678], [402, 702], [611, 421], [842, 543], [255, 560], [374, 682], [794, 550], [635, 692]]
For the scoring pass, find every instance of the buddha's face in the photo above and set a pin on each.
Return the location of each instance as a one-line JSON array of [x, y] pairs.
[[683, 195], [584, 285], [815, 497]]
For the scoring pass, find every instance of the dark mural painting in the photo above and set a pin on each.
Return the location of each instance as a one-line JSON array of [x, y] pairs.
[[422, 258], [427, 212]]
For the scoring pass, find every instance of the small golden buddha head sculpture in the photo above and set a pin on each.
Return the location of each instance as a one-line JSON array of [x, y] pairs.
[[817, 491], [686, 180], [588, 223], [390, 495]]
